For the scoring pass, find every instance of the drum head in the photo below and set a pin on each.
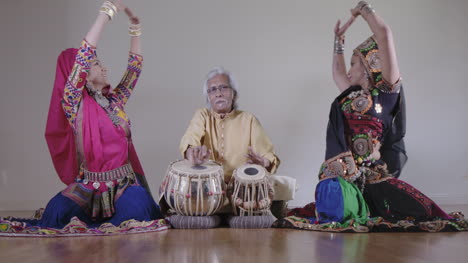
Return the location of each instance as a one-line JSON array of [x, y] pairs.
[[250, 172], [186, 167]]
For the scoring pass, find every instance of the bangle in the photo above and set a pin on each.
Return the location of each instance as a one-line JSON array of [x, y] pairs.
[[339, 45], [109, 9], [110, 5], [134, 30], [363, 5]]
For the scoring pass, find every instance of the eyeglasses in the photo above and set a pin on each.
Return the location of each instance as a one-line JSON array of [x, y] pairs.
[[221, 88]]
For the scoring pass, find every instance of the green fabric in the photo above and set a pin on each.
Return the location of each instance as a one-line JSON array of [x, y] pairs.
[[355, 207]]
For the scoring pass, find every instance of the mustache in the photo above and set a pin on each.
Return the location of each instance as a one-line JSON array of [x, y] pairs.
[[220, 100]]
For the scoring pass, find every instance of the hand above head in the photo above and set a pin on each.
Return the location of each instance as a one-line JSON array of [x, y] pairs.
[[339, 67], [254, 158], [361, 7], [134, 20], [197, 155], [118, 3], [340, 31], [106, 13]]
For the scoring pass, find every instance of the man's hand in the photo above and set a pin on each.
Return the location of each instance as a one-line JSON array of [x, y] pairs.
[[254, 158], [197, 155]]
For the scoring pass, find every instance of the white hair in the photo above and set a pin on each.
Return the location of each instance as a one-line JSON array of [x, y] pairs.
[[232, 82]]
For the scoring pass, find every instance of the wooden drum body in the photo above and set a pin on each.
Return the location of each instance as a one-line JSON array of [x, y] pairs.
[[250, 191]]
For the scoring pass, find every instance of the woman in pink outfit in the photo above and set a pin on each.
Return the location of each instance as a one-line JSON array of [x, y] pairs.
[[89, 138]]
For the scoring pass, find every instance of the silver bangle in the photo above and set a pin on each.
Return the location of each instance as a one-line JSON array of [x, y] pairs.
[[338, 47], [366, 7]]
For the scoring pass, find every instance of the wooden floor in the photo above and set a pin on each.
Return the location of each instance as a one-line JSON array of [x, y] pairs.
[[241, 245]]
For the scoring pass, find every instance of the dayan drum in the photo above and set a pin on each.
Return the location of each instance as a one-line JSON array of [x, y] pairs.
[[194, 190], [250, 191]]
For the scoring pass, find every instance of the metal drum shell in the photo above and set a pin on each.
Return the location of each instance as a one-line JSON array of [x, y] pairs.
[[192, 193]]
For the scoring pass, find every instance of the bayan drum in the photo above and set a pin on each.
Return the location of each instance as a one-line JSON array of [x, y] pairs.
[[194, 190]]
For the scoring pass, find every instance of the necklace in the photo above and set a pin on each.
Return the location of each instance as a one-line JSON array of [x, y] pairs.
[[97, 95], [104, 103]]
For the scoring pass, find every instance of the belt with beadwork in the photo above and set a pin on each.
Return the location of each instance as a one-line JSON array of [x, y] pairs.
[[115, 174]]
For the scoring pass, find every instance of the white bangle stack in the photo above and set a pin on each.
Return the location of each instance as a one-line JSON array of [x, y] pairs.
[[109, 9], [134, 30]]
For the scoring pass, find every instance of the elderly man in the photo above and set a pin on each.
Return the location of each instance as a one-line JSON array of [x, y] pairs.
[[232, 137], [225, 134]]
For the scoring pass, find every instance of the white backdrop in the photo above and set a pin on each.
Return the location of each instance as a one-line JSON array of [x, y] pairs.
[[280, 52]]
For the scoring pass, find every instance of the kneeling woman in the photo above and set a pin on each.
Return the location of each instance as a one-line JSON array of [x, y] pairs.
[[88, 134], [365, 151]]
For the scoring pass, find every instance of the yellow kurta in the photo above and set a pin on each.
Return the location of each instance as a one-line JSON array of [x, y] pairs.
[[229, 138]]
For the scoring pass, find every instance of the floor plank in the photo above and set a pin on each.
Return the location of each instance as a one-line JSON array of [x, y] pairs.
[[240, 245]]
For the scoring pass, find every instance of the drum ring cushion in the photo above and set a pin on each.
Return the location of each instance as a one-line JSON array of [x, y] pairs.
[[251, 221], [194, 222]]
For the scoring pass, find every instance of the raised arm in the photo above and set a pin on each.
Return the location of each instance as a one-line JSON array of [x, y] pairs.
[[384, 37], [134, 32], [135, 60], [339, 65], [85, 56]]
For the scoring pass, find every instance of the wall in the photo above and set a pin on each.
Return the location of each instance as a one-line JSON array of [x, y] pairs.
[[280, 52]]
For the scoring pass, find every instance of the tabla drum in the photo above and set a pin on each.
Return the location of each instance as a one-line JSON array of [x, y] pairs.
[[250, 191], [194, 190]]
